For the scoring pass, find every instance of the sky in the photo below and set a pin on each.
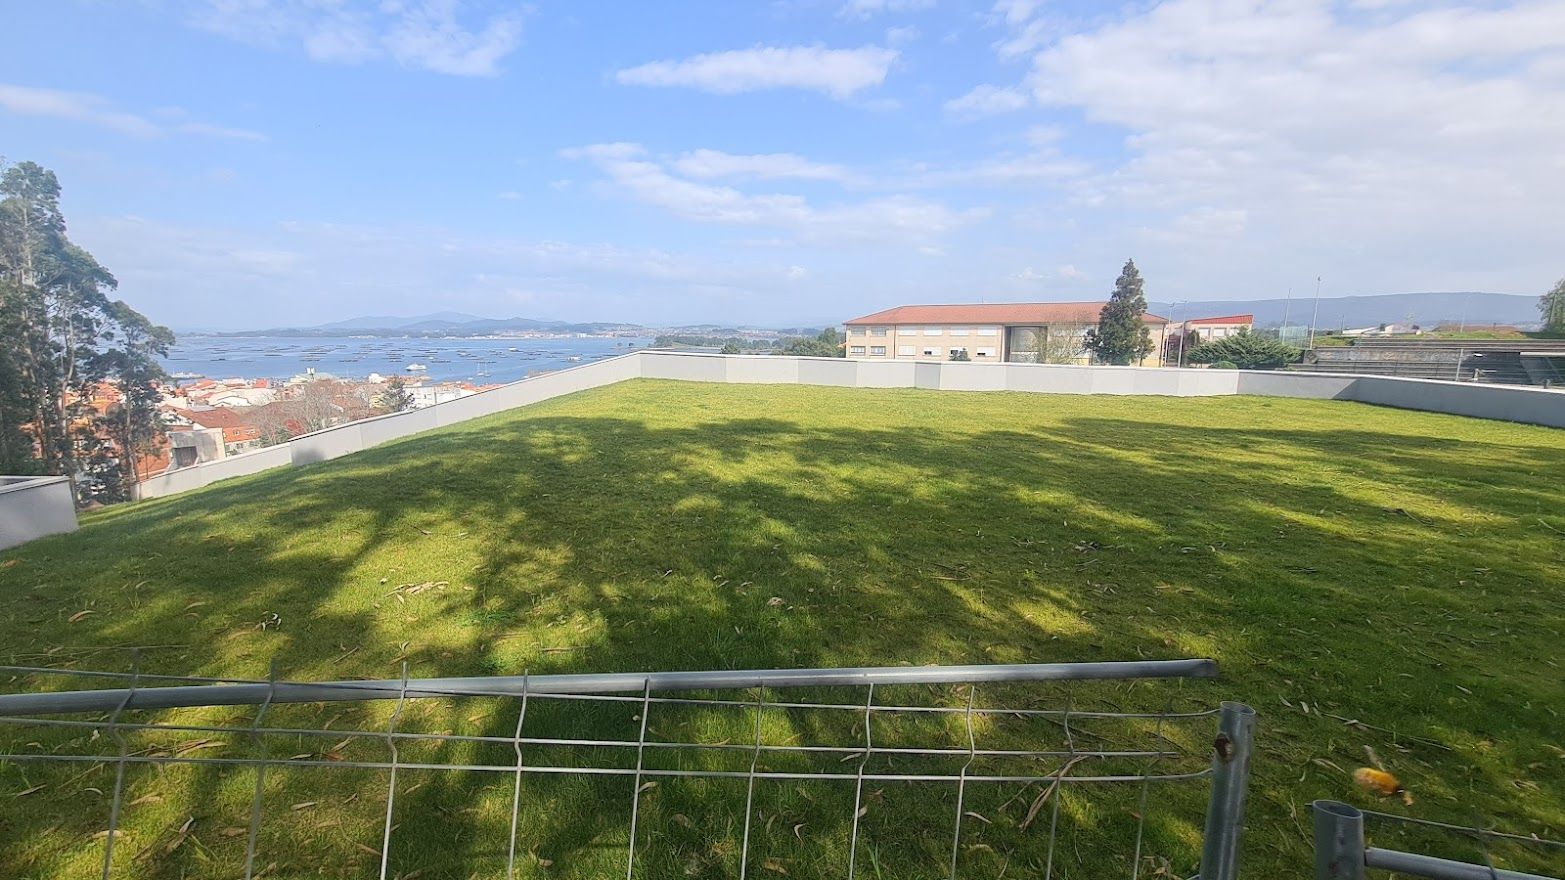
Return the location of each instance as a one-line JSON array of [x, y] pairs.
[[256, 163]]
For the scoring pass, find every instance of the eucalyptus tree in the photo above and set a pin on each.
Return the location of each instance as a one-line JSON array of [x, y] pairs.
[[62, 339]]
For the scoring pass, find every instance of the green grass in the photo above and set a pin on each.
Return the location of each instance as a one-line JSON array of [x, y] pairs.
[[1401, 569]]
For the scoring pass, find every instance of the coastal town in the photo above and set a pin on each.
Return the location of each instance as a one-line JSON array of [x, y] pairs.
[[207, 420]]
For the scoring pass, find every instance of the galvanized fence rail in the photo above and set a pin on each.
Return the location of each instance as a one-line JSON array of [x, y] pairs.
[[936, 743], [1342, 853]]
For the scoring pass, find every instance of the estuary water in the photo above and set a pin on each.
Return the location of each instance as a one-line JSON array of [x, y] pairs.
[[482, 361]]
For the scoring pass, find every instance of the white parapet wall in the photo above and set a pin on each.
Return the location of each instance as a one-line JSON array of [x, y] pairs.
[[32, 507], [1518, 404]]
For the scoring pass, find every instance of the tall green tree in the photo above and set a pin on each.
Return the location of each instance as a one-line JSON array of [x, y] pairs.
[[1121, 336], [130, 428], [60, 335], [1552, 308]]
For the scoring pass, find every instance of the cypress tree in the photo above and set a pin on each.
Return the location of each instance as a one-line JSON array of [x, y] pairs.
[[1121, 337]]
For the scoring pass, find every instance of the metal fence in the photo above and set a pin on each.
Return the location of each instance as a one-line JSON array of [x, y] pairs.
[[872, 772], [1341, 851]]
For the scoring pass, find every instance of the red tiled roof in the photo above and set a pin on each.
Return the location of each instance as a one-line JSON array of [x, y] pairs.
[[214, 418], [994, 313], [1225, 319]]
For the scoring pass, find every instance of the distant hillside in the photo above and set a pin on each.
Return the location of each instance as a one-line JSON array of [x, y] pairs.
[[436, 324], [398, 323], [1425, 309]]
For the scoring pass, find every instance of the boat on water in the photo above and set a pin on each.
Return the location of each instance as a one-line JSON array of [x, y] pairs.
[[417, 368]]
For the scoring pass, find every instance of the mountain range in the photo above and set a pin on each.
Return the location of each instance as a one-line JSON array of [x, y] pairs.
[[434, 324], [1424, 309], [1339, 312]]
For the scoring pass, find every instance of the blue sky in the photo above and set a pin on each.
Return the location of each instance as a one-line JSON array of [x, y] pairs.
[[243, 163]]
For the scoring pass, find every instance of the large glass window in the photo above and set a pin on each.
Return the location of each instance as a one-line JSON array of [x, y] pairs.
[[1021, 344]]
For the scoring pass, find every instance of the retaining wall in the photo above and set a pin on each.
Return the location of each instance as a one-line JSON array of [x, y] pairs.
[[32, 507], [1519, 404]]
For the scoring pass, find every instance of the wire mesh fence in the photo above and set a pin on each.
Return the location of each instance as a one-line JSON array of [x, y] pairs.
[[1047, 770], [1353, 844]]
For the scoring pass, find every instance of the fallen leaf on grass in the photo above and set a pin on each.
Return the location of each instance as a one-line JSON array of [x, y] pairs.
[[79, 615]]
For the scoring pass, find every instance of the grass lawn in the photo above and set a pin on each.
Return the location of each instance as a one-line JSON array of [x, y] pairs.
[[1341, 562]]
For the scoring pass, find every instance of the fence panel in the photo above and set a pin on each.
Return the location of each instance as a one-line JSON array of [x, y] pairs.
[[973, 772]]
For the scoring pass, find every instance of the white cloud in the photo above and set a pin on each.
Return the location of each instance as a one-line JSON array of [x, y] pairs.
[[1066, 272], [1427, 137], [987, 100], [96, 110], [299, 272], [837, 72], [1042, 166], [633, 171], [862, 9], [207, 129], [713, 164], [427, 34]]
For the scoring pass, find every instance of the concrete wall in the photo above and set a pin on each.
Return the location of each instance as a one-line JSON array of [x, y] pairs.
[[1321, 386], [1533, 405], [1511, 403], [196, 476], [32, 507], [941, 376]]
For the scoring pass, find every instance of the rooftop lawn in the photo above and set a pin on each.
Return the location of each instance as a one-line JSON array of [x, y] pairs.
[[1341, 562]]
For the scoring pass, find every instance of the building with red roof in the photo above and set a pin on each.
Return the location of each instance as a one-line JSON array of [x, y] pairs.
[[985, 332]]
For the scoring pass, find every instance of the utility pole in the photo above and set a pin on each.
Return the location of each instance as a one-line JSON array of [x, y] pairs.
[[1316, 314]]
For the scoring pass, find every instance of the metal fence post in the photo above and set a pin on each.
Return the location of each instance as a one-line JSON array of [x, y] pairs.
[[1339, 841], [1230, 782]]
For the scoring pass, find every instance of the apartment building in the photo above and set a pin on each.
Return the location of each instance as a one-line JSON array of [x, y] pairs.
[[985, 333]]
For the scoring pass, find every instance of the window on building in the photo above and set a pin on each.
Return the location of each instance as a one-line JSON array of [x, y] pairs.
[[905, 351], [877, 351], [856, 350], [855, 331], [988, 331], [933, 331], [956, 351], [958, 331], [1023, 344], [907, 331], [877, 331], [931, 352], [984, 352]]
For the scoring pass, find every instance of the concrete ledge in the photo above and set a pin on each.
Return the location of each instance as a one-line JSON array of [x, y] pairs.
[[1538, 406], [32, 507], [1321, 386]]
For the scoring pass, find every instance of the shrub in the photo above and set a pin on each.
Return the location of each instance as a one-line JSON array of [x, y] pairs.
[[1224, 365], [1245, 351]]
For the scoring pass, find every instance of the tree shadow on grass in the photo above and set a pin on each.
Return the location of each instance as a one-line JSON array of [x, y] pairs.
[[1324, 566]]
